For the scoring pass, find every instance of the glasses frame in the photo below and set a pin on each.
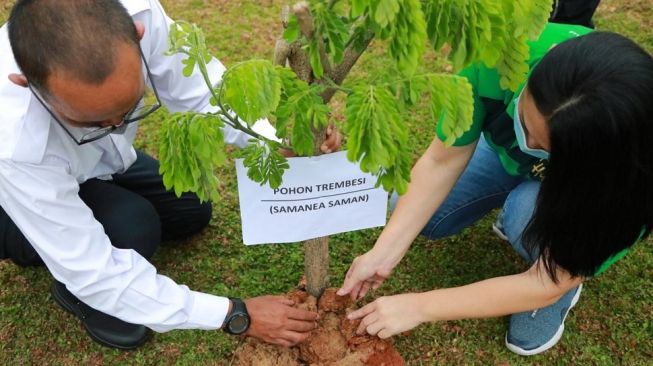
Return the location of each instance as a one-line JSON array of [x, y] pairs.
[[105, 131]]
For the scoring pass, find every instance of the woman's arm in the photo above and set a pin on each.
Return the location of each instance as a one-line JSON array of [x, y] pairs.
[[432, 178], [530, 290]]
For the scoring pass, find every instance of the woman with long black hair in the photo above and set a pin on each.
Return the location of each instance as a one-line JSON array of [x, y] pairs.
[[568, 157]]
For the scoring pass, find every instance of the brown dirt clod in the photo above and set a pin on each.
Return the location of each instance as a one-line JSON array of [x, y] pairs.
[[334, 343]]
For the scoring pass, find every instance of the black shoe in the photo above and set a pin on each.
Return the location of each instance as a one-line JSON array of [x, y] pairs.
[[104, 329]]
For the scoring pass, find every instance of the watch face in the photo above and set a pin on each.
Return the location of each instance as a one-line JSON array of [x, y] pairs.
[[239, 323]]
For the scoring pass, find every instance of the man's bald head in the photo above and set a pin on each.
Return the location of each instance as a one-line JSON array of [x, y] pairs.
[[76, 37]]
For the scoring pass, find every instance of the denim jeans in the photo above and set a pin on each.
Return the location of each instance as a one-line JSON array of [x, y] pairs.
[[484, 186]]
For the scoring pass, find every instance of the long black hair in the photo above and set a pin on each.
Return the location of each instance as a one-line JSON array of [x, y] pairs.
[[596, 93]]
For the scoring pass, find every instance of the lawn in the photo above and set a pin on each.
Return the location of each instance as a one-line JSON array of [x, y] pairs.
[[613, 323]]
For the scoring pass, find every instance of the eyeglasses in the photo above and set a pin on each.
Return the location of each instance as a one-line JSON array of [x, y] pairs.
[[142, 109]]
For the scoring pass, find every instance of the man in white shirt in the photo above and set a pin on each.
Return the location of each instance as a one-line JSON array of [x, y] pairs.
[[77, 197]]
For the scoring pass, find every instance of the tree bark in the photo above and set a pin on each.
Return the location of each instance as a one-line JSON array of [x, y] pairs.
[[316, 265]]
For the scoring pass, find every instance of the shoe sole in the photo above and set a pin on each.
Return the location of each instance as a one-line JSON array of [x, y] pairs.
[[556, 337], [58, 298]]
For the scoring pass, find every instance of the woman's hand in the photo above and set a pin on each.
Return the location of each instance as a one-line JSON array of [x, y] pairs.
[[367, 271], [390, 315]]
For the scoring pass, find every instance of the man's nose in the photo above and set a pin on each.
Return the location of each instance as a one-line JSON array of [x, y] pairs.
[[116, 122]]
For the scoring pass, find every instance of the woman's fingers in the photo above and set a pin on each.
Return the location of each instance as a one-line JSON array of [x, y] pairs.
[[350, 282], [365, 310], [366, 322], [364, 288]]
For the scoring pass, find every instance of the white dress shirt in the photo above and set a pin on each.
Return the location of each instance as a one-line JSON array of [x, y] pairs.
[[41, 168]]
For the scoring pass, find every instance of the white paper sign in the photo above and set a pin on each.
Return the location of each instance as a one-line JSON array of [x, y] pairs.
[[319, 196]]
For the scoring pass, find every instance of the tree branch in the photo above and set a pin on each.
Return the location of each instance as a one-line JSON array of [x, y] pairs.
[[281, 52], [341, 71], [305, 20]]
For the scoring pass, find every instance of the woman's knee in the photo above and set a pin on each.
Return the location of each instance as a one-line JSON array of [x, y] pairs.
[[516, 214], [432, 230]]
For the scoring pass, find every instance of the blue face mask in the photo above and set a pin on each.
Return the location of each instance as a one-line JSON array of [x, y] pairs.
[[521, 136]]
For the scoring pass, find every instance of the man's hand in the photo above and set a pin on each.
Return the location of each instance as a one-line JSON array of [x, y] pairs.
[[333, 140], [390, 315], [274, 320], [332, 143]]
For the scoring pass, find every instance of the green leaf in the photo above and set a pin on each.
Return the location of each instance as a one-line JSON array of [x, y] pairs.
[[489, 31], [188, 39], [512, 65], [377, 135], [385, 11], [314, 58], [358, 8], [264, 163], [408, 36], [300, 109], [191, 148], [292, 32], [452, 98], [252, 89], [331, 28], [189, 66]]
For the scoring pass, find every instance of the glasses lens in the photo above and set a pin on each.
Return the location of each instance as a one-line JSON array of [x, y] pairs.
[[96, 134], [148, 104], [141, 110]]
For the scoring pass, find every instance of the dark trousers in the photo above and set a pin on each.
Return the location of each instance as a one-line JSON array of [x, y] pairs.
[[578, 12], [135, 209]]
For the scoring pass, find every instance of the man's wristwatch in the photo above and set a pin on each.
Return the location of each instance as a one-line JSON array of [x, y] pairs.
[[237, 321]]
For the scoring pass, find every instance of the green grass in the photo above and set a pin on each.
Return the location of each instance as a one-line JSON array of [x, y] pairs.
[[613, 323]]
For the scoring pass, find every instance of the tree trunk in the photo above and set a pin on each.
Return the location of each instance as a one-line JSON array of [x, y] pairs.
[[316, 265], [316, 251]]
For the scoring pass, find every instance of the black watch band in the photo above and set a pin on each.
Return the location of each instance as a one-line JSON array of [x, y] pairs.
[[237, 321]]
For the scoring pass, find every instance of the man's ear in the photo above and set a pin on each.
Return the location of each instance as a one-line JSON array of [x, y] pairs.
[[18, 79], [140, 29]]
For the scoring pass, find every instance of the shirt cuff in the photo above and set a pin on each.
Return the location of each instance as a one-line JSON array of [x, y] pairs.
[[209, 311]]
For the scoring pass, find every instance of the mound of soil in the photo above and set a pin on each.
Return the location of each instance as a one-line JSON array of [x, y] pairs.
[[333, 343]]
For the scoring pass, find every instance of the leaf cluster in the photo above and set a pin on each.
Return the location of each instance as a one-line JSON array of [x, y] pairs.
[[191, 148], [249, 91], [494, 32], [300, 110]]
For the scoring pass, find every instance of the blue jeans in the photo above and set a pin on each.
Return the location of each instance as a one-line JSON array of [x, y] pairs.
[[484, 186]]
